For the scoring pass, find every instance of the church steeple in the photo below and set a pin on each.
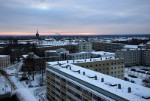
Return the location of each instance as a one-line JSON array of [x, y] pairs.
[[37, 34]]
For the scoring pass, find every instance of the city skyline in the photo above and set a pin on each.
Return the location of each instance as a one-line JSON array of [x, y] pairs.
[[74, 17]]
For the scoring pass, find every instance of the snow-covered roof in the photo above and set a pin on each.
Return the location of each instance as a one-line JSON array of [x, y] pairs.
[[84, 60], [24, 94], [31, 55], [131, 46], [1, 56], [80, 53], [102, 53], [137, 91]]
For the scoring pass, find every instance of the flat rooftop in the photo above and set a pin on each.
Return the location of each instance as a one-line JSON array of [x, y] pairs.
[[84, 60], [110, 84], [1, 56]]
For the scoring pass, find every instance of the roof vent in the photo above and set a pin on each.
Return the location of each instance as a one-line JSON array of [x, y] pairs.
[[83, 73], [90, 59], [67, 61], [77, 71], [70, 67], [102, 79], [119, 86], [129, 89], [93, 77], [85, 60], [73, 61]]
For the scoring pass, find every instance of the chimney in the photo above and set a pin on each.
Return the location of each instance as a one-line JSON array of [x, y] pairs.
[[90, 59], [83, 73], [85, 60], [119, 86], [129, 89], [79, 71], [73, 61], [67, 61], [95, 77], [70, 68], [102, 79]]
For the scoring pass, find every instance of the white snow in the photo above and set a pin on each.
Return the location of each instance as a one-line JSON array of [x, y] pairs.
[[1, 56], [4, 86], [39, 92], [131, 46], [136, 89], [24, 95]]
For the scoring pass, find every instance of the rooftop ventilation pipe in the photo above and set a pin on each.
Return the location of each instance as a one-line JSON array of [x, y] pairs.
[[102, 79], [83, 73], [77, 71], [129, 89], [119, 86]]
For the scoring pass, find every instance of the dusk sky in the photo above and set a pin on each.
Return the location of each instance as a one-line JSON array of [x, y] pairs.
[[74, 17]]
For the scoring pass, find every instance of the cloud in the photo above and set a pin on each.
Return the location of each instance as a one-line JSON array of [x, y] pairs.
[[94, 16]]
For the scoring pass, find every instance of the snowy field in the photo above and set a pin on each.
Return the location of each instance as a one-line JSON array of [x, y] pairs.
[[33, 85], [136, 74]]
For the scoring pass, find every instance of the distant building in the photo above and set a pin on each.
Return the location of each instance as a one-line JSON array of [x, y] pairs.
[[102, 54], [80, 55], [134, 56], [145, 57], [105, 65], [57, 55], [110, 66], [68, 82], [4, 61], [85, 47], [37, 35], [108, 47]]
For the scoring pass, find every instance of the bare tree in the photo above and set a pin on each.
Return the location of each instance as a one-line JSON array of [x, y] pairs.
[[146, 82]]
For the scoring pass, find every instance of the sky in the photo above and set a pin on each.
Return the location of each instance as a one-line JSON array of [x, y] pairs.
[[79, 17]]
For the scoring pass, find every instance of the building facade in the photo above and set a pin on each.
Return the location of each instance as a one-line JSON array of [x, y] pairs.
[[80, 55], [108, 47], [85, 47], [68, 82], [134, 56], [4, 61], [57, 55], [112, 67]]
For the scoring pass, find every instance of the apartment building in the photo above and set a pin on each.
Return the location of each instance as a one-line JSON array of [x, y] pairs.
[[4, 61], [85, 47], [108, 47], [68, 82], [80, 55], [134, 56], [106, 65], [109, 66], [57, 55], [145, 57]]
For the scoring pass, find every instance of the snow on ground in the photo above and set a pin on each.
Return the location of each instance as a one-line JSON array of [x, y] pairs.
[[38, 91], [140, 76], [4, 86]]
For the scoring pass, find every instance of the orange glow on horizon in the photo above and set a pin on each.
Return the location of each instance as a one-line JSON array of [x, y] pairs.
[[43, 33]]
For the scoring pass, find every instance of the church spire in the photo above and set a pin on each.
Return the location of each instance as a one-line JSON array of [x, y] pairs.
[[37, 34]]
